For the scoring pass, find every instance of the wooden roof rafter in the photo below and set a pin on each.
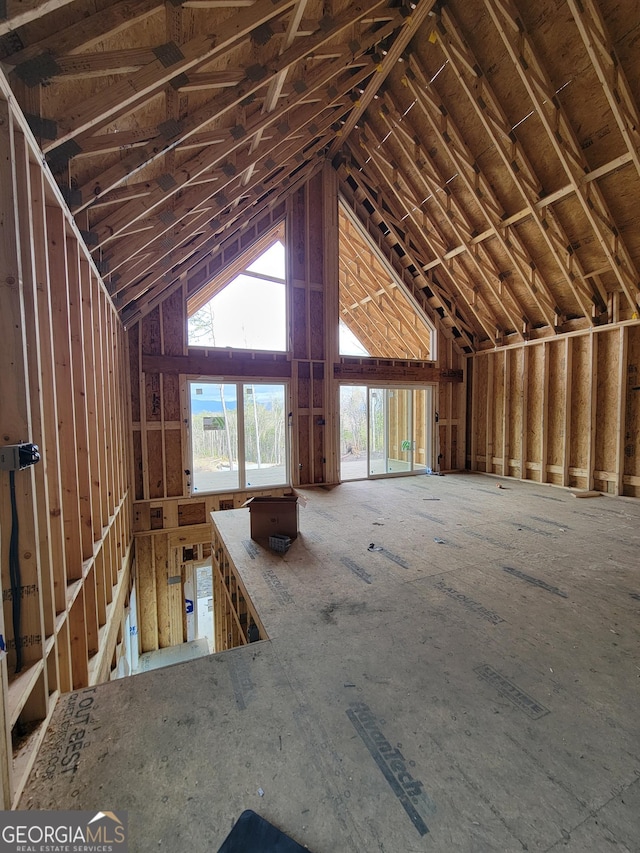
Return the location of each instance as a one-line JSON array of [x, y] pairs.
[[114, 17], [275, 86], [540, 89], [217, 213], [597, 42], [171, 62], [441, 194], [421, 9], [219, 155], [418, 192], [150, 293], [268, 154], [365, 282], [443, 126], [427, 237], [438, 307], [386, 328], [516, 163], [178, 133], [17, 13]]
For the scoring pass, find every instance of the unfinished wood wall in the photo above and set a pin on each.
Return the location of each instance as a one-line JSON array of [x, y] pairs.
[[312, 255], [61, 387], [451, 406], [565, 411]]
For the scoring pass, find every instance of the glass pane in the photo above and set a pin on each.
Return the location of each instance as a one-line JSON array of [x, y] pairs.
[[353, 432], [348, 343], [249, 313], [265, 435], [270, 262], [400, 440], [421, 434], [214, 437], [377, 431]]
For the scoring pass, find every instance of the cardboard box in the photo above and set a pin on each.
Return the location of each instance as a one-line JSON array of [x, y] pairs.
[[269, 516]]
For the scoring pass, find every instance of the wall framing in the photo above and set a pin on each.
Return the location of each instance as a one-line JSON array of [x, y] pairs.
[[64, 351], [564, 411]]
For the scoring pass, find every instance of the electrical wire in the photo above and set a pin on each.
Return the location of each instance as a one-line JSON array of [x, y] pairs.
[[14, 573]]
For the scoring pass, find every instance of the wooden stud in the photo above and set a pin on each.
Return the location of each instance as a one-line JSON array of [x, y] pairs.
[[621, 419]]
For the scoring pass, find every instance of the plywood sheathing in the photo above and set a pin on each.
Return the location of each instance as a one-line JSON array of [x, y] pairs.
[[571, 411], [470, 655]]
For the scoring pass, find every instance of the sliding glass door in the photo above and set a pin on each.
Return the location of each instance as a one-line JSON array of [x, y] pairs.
[[385, 431], [238, 436]]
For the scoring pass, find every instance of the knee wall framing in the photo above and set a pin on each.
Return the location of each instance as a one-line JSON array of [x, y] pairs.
[[564, 411]]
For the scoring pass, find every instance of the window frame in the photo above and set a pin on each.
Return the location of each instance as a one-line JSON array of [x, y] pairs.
[[240, 385]]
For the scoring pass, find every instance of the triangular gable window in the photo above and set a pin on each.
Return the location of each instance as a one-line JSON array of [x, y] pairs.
[[245, 306]]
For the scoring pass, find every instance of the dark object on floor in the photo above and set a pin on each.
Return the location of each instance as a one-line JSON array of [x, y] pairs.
[[253, 632], [280, 543], [253, 834]]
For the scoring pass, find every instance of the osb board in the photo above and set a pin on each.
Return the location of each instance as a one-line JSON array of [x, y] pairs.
[[580, 437], [490, 53], [316, 311], [173, 451], [146, 593], [621, 191], [487, 291], [174, 324], [318, 452], [191, 513], [482, 405], [548, 267], [137, 465], [456, 461], [561, 50], [412, 186], [431, 146], [171, 397], [318, 385], [556, 408], [154, 463], [581, 236], [134, 371], [514, 289], [632, 429], [621, 19], [442, 457], [161, 567], [515, 421], [462, 112], [608, 390], [304, 385], [315, 230], [535, 390], [499, 360], [304, 456], [298, 323], [296, 242]]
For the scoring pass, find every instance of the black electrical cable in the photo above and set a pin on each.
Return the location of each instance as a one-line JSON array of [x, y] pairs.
[[14, 572]]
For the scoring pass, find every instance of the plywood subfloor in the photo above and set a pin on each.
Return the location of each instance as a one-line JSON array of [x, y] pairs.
[[472, 687]]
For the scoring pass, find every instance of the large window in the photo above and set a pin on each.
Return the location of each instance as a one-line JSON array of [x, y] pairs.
[[238, 435], [247, 312]]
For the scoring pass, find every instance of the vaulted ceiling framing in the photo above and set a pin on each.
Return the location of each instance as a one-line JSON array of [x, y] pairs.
[[491, 149]]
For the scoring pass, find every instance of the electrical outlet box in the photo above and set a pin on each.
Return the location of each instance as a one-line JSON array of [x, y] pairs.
[[13, 457]]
